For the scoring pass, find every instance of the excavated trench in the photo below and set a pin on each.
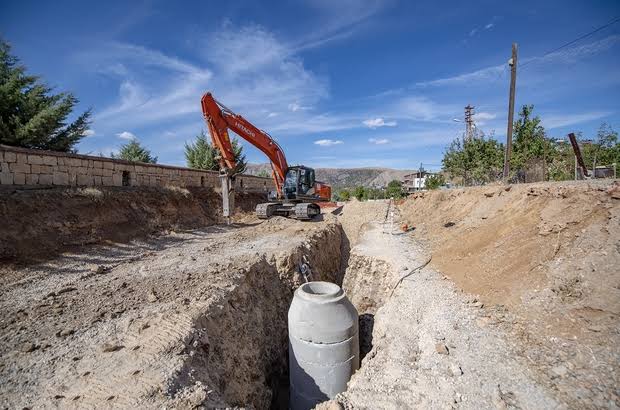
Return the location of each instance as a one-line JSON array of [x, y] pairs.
[[240, 345]]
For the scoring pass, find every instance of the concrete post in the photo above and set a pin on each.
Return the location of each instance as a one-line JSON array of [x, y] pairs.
[[228, 197]]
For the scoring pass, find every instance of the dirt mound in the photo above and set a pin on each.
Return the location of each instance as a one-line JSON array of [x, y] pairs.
[[504, 242], [39, 222], [544, 258]]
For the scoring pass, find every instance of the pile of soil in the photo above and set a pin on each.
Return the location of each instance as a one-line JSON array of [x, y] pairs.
[[42, 221], [546, 256]]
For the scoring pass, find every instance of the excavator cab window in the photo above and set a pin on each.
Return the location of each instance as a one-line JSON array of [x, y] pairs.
[[291, 182], [306, 180], [298, 181]]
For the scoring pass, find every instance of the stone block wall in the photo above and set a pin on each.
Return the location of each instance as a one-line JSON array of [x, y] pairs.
[[21, 166]]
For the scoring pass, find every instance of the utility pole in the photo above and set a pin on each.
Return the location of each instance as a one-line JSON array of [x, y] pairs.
[[420, 177], [469, 122], [578, 157], [511, 110]]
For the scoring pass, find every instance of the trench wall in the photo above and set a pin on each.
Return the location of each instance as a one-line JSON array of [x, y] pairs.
[[21, 166]]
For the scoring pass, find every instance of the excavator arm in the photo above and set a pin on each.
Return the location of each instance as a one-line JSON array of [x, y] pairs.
[[220, 119]]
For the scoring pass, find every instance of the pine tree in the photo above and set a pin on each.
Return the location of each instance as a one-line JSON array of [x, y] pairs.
[[202, 155], [31, 116], [135, 152]]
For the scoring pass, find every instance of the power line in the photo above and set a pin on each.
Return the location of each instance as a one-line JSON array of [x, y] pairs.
[[596, 30]]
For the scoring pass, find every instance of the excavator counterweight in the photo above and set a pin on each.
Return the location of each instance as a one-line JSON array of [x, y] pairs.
[[297, 191]]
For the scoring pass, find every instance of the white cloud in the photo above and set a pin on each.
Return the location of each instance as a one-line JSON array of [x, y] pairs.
[[154, 87], [272, 114], [232, 50], [488, 26], [481, 118], [250, 70], [339, 20], [378, 122], [89, 133], [573, 54], [466, 78], [568, 55], [422, 109], [557, 121], [380, 141], [261, 73], [302, 123], [328, 142], [296, 107], [131, 96], [126, 135]]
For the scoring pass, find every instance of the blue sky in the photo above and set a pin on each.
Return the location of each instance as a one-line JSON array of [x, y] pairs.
[[348, 83]]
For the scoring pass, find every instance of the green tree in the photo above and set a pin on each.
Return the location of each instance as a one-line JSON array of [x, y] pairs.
[[264, 174], [477, 161], [202, 155], [561, 162], [133, 151], [360, 193], [531, 144], [375, 193], [434, 181], [344, 195], [31, 116], [394, 189], [604, 150]]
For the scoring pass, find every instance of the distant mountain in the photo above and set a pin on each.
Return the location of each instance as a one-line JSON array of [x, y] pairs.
[[340, 178]]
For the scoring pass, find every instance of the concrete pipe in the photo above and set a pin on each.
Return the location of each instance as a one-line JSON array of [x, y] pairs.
[[323, 343]]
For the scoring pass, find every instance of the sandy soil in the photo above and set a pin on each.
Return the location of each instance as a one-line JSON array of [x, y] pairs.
[[39, 222], [518, 307], [189, 318], [430, 346], [544, 261]]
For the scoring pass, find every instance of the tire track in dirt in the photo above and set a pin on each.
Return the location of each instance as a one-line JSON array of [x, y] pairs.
[[207, 309]]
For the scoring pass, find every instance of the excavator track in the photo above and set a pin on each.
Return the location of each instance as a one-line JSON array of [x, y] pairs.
[[267, 210], [304, 211]]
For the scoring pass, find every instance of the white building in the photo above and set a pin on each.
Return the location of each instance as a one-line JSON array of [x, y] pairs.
[[416, 181]]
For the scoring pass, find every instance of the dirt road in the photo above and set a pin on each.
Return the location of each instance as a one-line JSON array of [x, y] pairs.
[[431, 346]]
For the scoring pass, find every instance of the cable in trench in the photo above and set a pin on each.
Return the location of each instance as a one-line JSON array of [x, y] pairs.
[[428, 260]]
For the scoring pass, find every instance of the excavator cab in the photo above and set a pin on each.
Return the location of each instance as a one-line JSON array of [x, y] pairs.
[[299, 194], [298, 183]]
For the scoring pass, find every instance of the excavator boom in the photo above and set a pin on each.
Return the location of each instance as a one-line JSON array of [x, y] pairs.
[[219, 119]]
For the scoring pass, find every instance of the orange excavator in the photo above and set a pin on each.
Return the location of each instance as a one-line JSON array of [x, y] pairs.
[[297, 191]]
